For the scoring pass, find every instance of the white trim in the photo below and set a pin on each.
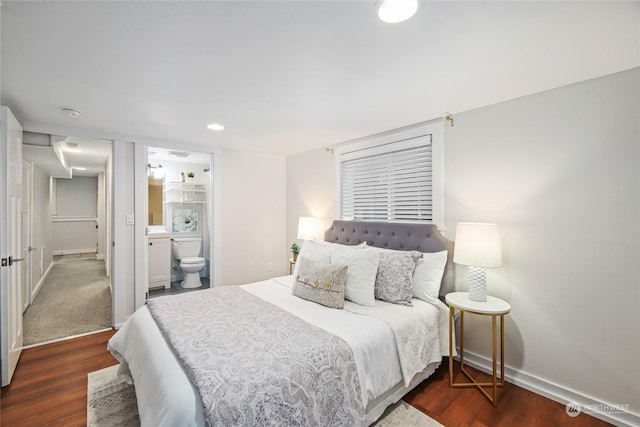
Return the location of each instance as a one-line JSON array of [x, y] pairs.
[[35, 291], [118, 242], [74, 218], [550, 390], [76, 251], [68, 338], [141, 209], [435, 128], [215, 263]]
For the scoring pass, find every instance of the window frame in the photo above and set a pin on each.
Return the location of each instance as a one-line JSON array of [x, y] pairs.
[[403, 138]]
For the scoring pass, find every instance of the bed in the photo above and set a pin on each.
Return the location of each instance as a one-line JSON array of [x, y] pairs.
[[271, 353]]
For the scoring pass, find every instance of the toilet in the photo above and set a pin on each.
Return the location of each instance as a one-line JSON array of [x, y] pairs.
[[187, 250]]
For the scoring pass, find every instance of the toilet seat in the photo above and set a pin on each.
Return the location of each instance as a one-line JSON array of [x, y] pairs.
[[192, 260]]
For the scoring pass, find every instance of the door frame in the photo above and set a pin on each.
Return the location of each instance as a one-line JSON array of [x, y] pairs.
[[27, 234]]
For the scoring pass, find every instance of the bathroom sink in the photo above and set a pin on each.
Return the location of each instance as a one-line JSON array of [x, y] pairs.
[[158, 233]]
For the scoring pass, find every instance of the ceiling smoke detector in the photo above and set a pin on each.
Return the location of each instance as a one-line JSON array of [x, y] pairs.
[[71, 113]]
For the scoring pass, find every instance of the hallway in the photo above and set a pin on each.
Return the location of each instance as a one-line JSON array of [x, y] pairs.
[[74, 299]]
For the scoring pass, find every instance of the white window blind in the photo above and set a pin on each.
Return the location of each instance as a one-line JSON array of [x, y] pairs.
[[390, 182]]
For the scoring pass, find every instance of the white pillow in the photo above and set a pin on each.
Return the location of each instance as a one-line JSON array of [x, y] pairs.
[[361, 274], [320, 251], [313, 251], [428, 275], [340, 246]]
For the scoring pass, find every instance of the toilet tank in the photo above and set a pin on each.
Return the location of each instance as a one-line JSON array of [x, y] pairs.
[[185, 247]]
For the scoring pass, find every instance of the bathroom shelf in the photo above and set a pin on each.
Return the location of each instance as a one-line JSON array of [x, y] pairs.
[[184, 193]]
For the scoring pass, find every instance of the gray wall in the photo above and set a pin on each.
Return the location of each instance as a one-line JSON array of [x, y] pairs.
[[559, 170]]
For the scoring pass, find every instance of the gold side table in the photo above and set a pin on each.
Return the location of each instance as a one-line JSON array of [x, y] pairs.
[[494, 307]]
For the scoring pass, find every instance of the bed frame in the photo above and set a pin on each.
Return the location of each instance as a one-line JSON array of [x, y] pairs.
[[398, 236]]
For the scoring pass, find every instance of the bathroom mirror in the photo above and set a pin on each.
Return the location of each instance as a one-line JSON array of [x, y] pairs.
[[155, 200]]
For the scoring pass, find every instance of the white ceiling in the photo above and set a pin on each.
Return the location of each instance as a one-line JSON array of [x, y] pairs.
[[289, 76]]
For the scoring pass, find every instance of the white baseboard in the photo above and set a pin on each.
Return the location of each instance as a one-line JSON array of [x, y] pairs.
[[34, 292], [75, 251], [555, 392]]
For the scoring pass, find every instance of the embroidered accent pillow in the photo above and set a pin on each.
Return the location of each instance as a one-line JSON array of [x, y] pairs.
[[395, 276], [321, 283]]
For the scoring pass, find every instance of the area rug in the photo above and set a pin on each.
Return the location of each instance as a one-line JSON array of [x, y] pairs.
[[74, 299], [112, 402]]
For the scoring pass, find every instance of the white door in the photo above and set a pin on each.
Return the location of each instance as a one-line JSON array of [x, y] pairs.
[[10, 242], [26, 236]]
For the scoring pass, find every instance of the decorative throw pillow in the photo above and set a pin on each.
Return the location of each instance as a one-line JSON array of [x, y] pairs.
[[395, 276], [321, 283], [361, 275], [427, 276]]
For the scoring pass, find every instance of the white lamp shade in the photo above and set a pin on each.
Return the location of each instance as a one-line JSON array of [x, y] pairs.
[[310, 228], [478, 245]]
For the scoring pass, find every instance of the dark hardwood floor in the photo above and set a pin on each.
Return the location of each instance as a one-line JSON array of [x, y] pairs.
[[49, 388], [457, 407]]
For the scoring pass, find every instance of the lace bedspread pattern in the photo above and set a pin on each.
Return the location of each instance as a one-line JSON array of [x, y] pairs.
[[256, 364]]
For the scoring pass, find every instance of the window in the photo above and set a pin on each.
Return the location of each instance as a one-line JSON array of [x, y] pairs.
[[394, 176]]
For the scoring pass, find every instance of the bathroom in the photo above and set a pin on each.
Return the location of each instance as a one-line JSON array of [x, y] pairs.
[[179, 220]]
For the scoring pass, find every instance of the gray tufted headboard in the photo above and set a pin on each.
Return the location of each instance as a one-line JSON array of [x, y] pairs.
[[399, 236]]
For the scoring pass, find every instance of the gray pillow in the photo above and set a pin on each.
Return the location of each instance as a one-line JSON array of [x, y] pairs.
[[321, 283], [395, 276]]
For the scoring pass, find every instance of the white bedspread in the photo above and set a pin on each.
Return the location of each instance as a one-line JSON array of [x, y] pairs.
[[417, 332], [167, 398]]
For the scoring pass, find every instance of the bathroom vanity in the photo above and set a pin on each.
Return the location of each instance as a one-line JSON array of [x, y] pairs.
[[159, 259]]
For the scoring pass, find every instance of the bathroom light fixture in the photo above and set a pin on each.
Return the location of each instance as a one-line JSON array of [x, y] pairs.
[[71, 113], [179, 154], [215, 126], [156, 171], [393, 11]]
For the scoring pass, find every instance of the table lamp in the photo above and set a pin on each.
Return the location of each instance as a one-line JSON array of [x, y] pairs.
[[310, 228], [478, 246]]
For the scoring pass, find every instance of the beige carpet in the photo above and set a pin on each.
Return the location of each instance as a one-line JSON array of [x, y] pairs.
[[74, 299], [112, 402]]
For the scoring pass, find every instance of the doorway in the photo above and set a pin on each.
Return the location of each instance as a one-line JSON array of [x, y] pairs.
[[70, 285], [180, 193]]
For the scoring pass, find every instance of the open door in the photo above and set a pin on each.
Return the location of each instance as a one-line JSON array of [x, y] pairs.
[[10, 243]]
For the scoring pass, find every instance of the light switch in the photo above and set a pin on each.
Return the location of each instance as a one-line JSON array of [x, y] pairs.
[[130, 219]]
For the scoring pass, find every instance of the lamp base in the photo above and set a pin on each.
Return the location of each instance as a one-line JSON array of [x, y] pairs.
[[477, 284]]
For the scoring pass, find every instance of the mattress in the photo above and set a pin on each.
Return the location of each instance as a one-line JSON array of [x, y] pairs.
[[166, 397]]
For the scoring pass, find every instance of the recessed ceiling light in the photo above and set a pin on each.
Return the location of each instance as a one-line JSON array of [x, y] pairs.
[[73, 144], [79, 168], [393, 11], [215, 126], [71, 113]]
